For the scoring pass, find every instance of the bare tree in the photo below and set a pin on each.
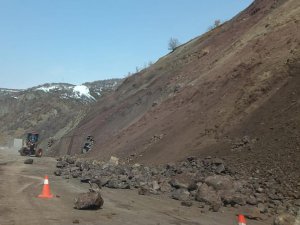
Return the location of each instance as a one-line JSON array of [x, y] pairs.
[[216, 24], [173, 44]]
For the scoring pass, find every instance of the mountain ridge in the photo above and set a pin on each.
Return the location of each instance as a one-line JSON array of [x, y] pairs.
[[51, 109]]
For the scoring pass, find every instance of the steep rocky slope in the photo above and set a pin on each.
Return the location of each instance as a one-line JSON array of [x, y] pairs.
[[50, 109], [232, 92]]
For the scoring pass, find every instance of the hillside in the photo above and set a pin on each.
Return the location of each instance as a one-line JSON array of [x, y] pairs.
[[232, 92], [50, 109]]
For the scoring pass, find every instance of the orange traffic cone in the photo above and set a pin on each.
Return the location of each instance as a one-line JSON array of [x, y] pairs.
[[46, 189], [242, 220]]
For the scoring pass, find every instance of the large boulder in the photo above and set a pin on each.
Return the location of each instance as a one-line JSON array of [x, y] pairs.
[[219, 182], [84, 165], [193, 186], [85, 178], [70, 159], [144, 191], [78, 163], [220, 169], [155, 186], [114, 161], [187, 203], [61, 164], [180, 194], [208, 195], [75, 172], [28, 161], [90, 200], [58, 172], [217, 161], [100, 181], [251, 200], [286, 219], [251, 212], [297, 202], [234, 199], [118, 184], [165, 187], [176, 184]]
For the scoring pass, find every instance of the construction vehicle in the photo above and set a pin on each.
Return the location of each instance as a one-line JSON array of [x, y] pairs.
[[88, 144], [30, 146]]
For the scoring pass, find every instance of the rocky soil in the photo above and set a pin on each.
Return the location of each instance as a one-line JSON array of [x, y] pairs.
[[207, 183]]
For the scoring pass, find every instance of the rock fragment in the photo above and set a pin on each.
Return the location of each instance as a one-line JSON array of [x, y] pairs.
[[180, 194], [28, 161]]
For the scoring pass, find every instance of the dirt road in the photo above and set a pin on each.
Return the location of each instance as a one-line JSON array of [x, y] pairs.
[[21, 183]]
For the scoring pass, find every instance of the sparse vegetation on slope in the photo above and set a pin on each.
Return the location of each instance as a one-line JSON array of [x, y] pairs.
[[232, 92]]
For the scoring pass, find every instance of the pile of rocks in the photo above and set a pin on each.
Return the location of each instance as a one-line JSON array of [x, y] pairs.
[[207, 183]]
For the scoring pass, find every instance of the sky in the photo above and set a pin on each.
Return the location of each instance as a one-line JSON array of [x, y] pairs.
[[76, 41]]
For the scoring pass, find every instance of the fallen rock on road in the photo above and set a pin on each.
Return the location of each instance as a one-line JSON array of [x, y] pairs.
[[28, 161], [90, 200], [192, 180]]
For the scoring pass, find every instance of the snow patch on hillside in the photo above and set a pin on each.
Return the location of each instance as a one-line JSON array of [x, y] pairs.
[[68, 91], [47, 89], [53, 87], [82, 91]]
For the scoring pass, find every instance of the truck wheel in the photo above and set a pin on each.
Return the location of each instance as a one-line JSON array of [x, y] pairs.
[[39, 153], [23, 151]]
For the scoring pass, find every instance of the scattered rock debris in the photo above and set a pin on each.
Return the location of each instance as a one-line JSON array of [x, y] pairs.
[[193, 181]]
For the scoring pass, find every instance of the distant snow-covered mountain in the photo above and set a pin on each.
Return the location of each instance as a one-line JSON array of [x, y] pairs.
[[9, 91], [51, 109], [87, 92]]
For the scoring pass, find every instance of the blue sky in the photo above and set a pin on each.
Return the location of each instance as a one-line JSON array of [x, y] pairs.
[[76, 41]]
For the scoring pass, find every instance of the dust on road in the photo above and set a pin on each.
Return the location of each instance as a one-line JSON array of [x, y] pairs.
[[21, 183]]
